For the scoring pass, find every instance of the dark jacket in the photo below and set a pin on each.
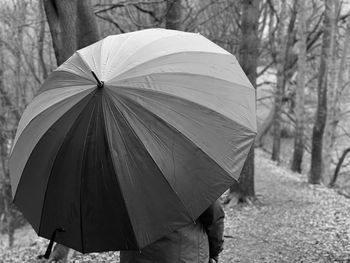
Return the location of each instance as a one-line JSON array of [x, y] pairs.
[[194, 243]]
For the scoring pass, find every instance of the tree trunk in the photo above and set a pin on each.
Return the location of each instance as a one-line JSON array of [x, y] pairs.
[[299, 97], [265, 127], [315, 176], [173, 18], [5, 188], [87, 27], [269, 121], [334, 93], [9, 210], [337, 169], [73, 26], [248, 57], [41, 41], [21, 6], [285, 43], [62, 19], [279, 91]]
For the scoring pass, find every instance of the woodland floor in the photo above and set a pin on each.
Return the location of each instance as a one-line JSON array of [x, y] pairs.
[[291, 222]]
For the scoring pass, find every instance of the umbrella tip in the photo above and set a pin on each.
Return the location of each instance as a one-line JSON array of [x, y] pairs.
[[100, 83]]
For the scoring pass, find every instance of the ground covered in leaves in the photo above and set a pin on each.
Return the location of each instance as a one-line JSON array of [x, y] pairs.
[[291, 222]]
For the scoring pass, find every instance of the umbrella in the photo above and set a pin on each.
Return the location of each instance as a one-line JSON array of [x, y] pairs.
[[131, 138]]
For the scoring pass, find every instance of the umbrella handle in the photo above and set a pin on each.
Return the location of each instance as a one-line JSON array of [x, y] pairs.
[[52, 240]]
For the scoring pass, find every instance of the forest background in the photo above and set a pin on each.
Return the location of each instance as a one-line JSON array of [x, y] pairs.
[[296, 54]]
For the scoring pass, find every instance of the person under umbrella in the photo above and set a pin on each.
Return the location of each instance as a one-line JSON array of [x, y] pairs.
[[201, 242]]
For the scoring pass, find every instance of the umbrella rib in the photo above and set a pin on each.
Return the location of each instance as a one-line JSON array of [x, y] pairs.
[[120, 188], [139, 90], [46, 190], [185, 74], [125, 42], [81, 58], [22, 127], [63, 70], [136, 83], [138, 138], [166, 56], [115, 54], [22, 131], [199, 148], [140, 141], [81, 176], [73, 73]]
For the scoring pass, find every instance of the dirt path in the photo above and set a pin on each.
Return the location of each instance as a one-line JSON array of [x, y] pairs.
[[294, 223]]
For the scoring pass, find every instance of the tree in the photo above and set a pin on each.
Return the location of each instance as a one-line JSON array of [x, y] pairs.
[[335, 88], [173, 19], [285, 42], [73, 26], [335, 106], [41, 41], [279, 57], [337, 168], [269, 57], [271, 43], [315, 176], [5, 187], [299, 99], [248, 58], [219, 21], [14, 92]]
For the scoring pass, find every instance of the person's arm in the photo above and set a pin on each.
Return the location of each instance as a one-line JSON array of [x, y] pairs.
[[213, 222]]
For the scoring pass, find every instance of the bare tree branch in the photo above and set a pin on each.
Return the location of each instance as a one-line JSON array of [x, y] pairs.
[[111, 20], [125, 3]]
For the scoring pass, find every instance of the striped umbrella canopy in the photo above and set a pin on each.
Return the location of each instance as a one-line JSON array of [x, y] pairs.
[[131, 138]]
